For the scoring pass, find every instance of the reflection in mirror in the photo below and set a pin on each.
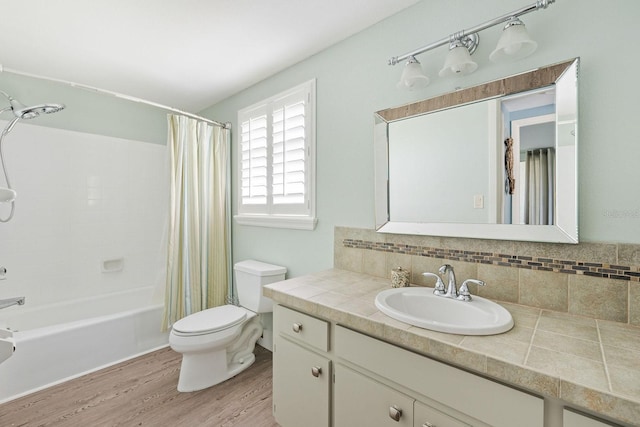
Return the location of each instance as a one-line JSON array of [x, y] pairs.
[[438, 164], [494, 161]]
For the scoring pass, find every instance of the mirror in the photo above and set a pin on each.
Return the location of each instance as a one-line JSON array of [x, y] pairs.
[[494, 161]]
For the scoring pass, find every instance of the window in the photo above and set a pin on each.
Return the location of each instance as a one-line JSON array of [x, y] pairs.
[[276, 162]]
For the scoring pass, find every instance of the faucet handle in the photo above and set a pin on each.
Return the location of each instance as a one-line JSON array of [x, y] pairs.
[[463, 293], [439, 287], [445, 268]]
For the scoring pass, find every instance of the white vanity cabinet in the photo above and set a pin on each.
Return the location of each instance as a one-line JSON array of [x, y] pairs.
[[455, 395], [362, 401], [301, 370], [327, 375], [460, 397]]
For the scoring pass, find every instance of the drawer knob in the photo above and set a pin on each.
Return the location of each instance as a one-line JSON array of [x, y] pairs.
[[316, 371], [297, 327], [395, 413]]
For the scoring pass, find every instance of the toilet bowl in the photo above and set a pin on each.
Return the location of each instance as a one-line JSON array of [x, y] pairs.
[[218, 343]]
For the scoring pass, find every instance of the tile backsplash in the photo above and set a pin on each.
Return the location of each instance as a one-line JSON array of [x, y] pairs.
[[598, 280]]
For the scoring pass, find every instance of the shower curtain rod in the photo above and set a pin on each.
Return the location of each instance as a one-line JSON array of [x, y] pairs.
[[226, 125]]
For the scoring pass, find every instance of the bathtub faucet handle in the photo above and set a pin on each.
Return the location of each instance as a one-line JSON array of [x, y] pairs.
[[4, 303]]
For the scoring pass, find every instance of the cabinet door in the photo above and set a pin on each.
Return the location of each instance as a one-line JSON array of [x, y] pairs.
[[301, 383], [573, 419], [362, 401], [426, 416]]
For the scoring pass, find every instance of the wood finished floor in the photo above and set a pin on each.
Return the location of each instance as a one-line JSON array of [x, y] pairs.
[[142, 392]]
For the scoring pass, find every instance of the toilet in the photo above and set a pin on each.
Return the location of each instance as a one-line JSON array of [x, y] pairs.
[[217, 343]]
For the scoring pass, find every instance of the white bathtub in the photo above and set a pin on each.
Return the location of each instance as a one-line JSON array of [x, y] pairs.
[[63, 341]]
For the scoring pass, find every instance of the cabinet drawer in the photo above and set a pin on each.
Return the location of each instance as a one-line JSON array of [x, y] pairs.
[[473, 395], [425, 415], [361, 401], [302, 327]]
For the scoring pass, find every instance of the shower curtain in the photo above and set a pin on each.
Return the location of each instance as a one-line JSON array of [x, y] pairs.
[[198, 256], [540, 186]]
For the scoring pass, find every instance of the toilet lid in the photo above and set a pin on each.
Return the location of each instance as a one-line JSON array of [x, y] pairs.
[[211, 320]]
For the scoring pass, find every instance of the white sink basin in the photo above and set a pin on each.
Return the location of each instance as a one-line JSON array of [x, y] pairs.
[[418, 306]]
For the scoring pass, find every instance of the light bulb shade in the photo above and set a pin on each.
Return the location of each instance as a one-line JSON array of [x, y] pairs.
[[514, 44], [458, 62], [412, 76]]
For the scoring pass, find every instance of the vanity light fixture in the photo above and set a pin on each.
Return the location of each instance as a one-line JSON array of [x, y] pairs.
[[458, 61], [514, 44], [412, 76]]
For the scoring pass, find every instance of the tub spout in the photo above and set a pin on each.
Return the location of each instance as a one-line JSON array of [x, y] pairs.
[[4, 303]]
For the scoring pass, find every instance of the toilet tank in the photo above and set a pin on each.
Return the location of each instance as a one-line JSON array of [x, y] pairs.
[[251, 276]]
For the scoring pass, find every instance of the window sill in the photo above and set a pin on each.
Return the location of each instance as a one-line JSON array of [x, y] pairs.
[[282, 221]]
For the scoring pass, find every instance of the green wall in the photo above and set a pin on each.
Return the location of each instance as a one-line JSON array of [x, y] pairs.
[[354, 80], [86, 110]]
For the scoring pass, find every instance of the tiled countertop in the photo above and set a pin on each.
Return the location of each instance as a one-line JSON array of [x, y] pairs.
[[589, 363]]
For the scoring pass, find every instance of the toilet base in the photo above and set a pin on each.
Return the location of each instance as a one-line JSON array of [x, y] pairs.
[[200, 370]]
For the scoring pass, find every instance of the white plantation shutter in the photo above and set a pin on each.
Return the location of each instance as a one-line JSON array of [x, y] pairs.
[[289, 155], [276, 169], [254, 161]]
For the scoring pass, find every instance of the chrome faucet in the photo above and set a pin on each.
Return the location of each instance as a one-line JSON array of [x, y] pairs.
[[438, 289], [4, 303], [464, 294], [452, 289]]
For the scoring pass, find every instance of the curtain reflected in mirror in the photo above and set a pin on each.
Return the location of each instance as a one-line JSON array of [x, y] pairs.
[[539, 186]]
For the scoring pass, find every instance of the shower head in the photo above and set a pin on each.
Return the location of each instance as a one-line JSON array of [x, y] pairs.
[[21, 111], [36, 110]]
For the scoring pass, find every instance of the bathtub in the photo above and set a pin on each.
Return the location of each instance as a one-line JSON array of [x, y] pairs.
[[62, 341]]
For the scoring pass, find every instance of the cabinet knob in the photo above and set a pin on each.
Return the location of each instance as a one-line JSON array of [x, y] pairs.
[[297, 327], [316, 371], [428, 424], [395, 413]]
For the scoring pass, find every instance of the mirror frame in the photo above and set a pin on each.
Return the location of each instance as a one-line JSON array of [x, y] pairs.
[[566, 228]]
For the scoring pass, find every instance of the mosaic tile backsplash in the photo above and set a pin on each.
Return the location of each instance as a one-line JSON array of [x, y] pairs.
[[597, 280], [595, 269]]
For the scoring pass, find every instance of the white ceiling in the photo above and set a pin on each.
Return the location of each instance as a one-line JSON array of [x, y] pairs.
[[185, 54]]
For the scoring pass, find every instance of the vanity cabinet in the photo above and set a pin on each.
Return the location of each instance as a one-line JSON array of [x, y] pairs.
[[301, 370], [361, 401], [327, 375], [442, 395]]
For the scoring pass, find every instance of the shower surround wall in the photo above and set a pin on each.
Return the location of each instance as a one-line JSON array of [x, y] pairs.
[[597, 280], [82, 199]]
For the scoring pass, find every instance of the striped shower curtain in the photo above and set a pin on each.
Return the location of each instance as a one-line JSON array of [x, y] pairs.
[[540, 187], [198, 275]]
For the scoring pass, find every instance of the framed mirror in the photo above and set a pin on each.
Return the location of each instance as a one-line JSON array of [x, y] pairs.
[[494, 161]]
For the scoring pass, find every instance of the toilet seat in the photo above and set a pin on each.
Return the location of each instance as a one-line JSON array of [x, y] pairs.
[[210, 321]]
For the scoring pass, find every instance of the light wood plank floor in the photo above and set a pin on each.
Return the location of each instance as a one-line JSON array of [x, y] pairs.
[[142, 392]]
